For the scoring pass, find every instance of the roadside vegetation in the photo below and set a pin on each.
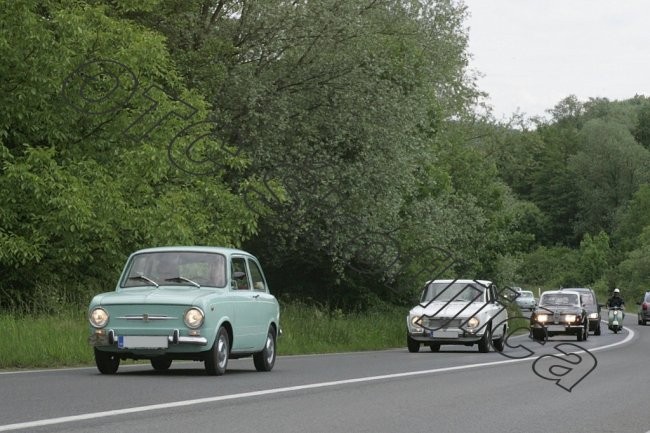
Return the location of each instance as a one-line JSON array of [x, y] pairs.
[[59, 340], [353, 157]]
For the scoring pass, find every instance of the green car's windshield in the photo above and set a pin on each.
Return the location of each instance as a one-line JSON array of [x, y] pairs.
[[176, 268], [454, 291]]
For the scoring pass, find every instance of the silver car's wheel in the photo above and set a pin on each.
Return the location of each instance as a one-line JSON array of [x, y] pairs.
[[484, 342], [413, 345], [217, 358], [265, 360]]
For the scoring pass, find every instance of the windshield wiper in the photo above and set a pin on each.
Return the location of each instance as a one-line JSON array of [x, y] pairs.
[[144, 278], [181, 279]]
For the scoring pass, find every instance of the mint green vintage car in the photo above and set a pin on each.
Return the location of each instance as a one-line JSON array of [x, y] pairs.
[[193, 303]]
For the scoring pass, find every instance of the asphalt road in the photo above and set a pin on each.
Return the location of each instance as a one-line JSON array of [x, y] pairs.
[[456, 390]]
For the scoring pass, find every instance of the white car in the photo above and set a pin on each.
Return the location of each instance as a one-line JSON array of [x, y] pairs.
[[459, 312], [526, 300]]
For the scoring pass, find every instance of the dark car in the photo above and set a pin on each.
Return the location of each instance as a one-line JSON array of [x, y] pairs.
[[590, 303], [559, 312], [644, 309]]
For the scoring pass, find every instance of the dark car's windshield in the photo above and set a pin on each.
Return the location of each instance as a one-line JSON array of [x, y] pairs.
[[587, 299], [559, 299], [176, 268], [455, 291]]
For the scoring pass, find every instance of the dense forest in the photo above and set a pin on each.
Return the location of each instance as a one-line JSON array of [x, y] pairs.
[[344, 143]]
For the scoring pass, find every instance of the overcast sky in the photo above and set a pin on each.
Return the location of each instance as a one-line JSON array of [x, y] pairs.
[[533, 53]]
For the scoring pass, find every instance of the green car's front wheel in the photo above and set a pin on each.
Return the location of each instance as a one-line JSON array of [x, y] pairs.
[[161, 364], [217, 358], [107, 362]]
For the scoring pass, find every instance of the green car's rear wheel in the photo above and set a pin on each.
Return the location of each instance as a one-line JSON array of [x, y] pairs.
[[265, 359]]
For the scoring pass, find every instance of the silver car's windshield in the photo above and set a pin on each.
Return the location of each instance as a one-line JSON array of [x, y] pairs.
[[559, 299], [176, 268], [462, 292]]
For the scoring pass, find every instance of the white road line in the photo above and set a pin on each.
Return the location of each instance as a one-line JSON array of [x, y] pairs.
[[172, 405]]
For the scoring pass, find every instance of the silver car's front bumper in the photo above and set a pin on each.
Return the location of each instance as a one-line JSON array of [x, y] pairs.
[[452, 335]]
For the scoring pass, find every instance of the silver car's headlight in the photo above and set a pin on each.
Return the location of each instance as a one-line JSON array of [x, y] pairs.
[[98, 317], [593, 316], [542, 317], [193, 318], [473, 322], [415, 324], [570, 317]]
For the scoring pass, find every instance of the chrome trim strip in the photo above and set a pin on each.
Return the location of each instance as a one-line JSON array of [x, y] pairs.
[[147, 317], [201, 341]]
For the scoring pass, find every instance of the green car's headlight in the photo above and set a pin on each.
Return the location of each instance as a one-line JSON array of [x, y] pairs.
[[98, 317], [193, 318]]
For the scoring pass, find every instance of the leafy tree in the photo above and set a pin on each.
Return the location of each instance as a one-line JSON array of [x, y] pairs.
[[642, 129], [344, 105], [632, 219], [608, 169], [633, 273], [594, 257], [85, 170]]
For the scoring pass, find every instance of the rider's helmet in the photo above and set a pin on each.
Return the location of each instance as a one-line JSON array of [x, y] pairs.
[[617, 291]]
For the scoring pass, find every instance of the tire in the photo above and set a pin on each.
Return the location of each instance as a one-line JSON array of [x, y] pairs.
[[107, 362], [161, 364], [581, 335], [499, 344], [435, 347], [597, 330], [484, 342], [216, 360], [645, 322], [639, 322], [413, 346], [615, 329], [265, 359], [538, 335]]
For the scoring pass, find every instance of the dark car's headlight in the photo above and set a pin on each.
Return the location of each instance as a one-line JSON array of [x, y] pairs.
[[541, 318], [570, 318], [193, 318], [98, 317], [593, 316]]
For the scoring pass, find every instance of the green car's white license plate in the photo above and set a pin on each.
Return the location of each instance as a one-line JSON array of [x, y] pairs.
[[142, 342]]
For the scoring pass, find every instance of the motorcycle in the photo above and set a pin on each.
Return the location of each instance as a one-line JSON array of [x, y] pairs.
[[615, 319]]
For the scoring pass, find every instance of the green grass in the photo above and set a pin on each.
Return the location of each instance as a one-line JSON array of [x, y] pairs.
[[61, 339], [44, 341], [309, 329]]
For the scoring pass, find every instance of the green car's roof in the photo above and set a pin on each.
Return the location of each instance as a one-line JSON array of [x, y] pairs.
[[196, 248]]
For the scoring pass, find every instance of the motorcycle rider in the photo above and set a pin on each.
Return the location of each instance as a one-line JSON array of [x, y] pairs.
[[616, 300]]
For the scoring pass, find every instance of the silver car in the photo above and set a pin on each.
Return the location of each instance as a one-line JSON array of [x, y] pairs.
[[458, 312]]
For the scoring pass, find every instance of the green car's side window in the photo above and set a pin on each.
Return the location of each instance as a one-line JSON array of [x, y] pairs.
[[239, 281], [256, 276]]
